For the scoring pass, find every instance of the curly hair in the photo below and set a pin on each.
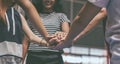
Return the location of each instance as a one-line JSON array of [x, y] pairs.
[[39, 6]]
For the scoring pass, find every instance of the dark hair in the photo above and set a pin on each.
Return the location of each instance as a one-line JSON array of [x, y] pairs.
[[39, 6]]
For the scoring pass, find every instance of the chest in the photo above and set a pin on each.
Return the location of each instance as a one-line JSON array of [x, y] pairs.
[[51, 20]]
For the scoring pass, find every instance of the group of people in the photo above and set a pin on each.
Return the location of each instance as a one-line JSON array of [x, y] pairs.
[[50, 30], [14, 28]]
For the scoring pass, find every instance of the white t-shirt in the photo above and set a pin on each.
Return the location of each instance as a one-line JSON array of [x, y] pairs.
[[113, 21]]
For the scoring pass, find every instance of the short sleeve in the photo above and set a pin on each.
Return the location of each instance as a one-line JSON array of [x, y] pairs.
[[100, 3], [63, 18]]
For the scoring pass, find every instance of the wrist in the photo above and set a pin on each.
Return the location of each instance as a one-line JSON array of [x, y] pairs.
[[41, 40]]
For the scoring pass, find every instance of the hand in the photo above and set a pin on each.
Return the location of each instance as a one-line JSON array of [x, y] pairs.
[[78, 37], [61, 35], [44, 42], [58, 37], [63, 44], [52, 39]]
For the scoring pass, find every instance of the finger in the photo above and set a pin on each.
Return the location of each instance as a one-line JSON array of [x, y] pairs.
[[56, 33], [44, 43], [51, 36], [52, 39], [76, 38], [61, 35], [63, 38]]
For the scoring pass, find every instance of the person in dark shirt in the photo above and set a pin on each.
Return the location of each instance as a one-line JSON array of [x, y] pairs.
[[13, 26]]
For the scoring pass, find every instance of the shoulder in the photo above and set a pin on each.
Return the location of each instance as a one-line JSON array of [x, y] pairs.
[[63, 17]]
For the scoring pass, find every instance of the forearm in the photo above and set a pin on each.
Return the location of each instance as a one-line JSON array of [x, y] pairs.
[[35, 38], [81, 21], [25, 47], [99, 17], [32, 13], [31, 36]]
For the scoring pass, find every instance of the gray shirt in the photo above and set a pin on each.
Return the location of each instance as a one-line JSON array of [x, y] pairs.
[[113, 21], [52, 23]]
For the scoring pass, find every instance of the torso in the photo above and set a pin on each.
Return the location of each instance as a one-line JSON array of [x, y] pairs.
[[52, 23], [11, 34]]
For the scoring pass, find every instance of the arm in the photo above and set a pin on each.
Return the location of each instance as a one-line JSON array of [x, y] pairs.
[[31, 36], [101, 15], [65, 27], [25, 47], [30, 9], [60, 35], [64, 31], [79, 23]]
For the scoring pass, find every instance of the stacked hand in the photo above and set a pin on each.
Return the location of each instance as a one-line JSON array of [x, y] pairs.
[[56, 39], [44, 43]]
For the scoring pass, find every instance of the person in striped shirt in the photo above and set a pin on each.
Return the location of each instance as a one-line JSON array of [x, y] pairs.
[[55, 22]]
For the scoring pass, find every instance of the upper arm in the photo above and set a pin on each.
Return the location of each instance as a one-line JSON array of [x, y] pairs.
[[86, 14], [65, 27], [23, 3], [65, 23], [26, 5], [25, 27]]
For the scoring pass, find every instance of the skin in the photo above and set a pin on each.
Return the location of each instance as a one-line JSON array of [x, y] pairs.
[[100, 16], [79, 23], [31, 36], [29, 9], [48, 5], [3, 7], [48, 8]]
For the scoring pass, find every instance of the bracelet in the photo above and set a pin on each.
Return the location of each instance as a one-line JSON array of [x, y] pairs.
[[41, 40]]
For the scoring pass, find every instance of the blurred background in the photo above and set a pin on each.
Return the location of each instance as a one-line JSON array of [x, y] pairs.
[[90, 49]]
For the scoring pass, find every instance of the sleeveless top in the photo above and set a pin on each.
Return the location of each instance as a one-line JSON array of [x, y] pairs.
[[11, 34]]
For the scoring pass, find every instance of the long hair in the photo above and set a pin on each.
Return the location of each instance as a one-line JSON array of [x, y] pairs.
[[39, 6]]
